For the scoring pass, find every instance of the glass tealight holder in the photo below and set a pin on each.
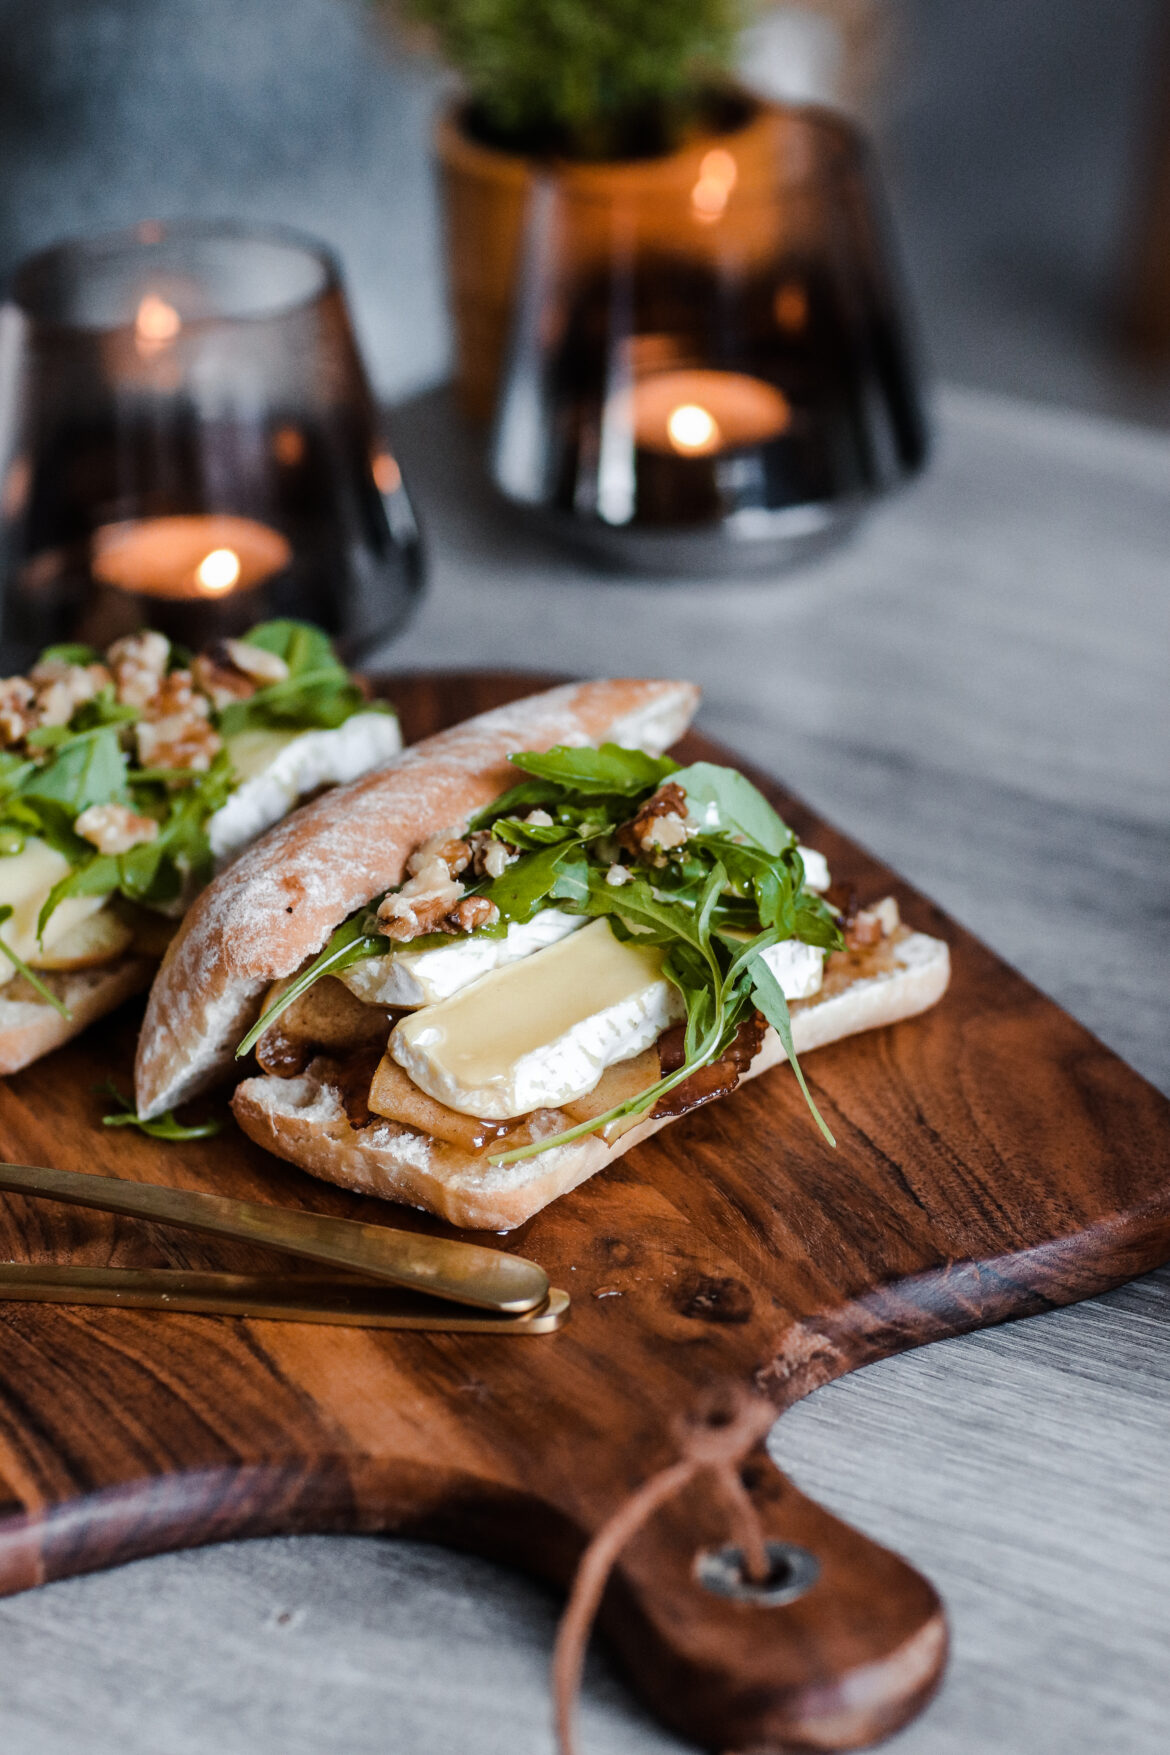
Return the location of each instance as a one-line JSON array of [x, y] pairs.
[[188, 441], [711, 366]]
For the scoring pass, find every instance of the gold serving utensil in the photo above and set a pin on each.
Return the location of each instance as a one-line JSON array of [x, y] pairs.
[[462, 1273], [276, 1298]]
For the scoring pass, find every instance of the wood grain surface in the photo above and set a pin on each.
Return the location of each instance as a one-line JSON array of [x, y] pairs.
[[994, 1159]]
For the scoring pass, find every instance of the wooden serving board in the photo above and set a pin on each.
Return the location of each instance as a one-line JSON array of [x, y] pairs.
[[993, 1160]]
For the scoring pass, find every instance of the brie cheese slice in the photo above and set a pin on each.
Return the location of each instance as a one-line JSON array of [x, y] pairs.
[[413, 978], [279, 768], [541, 1031]]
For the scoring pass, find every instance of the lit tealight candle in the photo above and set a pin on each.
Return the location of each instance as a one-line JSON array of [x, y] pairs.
[[197, 555], [698, 412]]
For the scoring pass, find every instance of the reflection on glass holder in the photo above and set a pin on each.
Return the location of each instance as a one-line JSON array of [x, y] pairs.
[[710, 367], [189, 442]]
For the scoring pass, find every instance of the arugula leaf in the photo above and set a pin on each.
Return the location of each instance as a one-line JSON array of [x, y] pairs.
[[13, 770], [30, 975], [88, 768], [349, 944], [521, 834], [164, 1127], [316, 694], [769, 996], [600, 772], [722, 799], [519, 891], [526, 796], [71, 653]]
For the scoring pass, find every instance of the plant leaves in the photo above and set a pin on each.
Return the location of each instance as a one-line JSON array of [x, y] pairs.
[[723, 800], [163, 1127], [318, 692], [769, 996], [348, 944], [596, 773], [90, 768], [30, 975]]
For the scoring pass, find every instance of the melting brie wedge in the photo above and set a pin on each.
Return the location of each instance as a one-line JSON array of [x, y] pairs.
[[413, 978], [278, 768], [25, 881], [538, 1032]]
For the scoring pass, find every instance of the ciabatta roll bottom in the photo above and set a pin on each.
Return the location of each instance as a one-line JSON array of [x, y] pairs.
[[303, 1119]]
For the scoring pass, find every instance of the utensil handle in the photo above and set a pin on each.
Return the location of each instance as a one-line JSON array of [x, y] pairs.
[[346, 1303], [464, 1273]]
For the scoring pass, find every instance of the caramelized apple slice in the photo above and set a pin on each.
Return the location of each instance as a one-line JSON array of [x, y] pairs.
[[617, 1084], [97, 939], [394, 1095], [328, 1018]]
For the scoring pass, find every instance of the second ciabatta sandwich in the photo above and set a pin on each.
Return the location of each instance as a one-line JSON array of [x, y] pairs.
[[478, 978], [127, 777]]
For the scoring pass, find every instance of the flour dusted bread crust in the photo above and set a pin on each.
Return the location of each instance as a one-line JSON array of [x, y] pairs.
[[304, 1119], [30, 1028], [278, 903]]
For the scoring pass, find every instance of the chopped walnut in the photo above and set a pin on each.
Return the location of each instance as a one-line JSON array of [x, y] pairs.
[[61, 688], [538, 819], [174, 731], [454, 854], [471, 913], [869, 926], [254, 661], [16, 696], [659, 826], [422, 904], [115, 828], [489, 857], [139, 665], [220, 682]]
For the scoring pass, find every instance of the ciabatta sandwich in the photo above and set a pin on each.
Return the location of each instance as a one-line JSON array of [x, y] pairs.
[[127, 778], [475, 979]]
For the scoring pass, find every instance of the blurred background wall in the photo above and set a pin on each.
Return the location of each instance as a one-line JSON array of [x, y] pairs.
[[1013, 134]]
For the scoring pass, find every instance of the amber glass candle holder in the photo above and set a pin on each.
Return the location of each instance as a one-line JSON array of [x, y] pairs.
[[188, 441], [711, 367]]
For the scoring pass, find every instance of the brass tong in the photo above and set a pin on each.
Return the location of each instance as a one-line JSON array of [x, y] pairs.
[[466, 1288]]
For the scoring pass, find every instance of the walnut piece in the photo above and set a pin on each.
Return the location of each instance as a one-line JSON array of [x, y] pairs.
[[255, 662], [61, 688], [433, 899], [16, 697], [220, 682], [869, 926], [659, 826], [115, 828], [139, 664], [470, 913], [489, 857], [174, 731], [422, 904], [454, 854]]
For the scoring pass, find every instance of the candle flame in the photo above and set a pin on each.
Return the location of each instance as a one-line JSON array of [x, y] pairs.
[[386, 473], [692, 429], [218, 571], [156, 321], [718, 174]]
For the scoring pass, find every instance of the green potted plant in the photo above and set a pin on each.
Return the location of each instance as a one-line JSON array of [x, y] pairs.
[[611, 93]]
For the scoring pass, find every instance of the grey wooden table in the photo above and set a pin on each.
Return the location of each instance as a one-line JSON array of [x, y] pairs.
[[979, 690]]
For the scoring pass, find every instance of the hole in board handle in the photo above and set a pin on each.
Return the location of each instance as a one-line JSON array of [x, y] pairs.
[[791, 1572]]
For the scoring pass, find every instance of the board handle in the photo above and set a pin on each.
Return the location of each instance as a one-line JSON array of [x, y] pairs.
[[839, 1647]]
